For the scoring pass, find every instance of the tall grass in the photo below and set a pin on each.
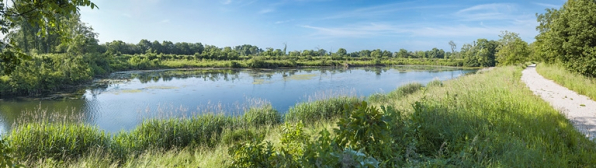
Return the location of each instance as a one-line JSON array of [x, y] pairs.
[[396, 94], [320, 110], [57, 141], [573, 81]]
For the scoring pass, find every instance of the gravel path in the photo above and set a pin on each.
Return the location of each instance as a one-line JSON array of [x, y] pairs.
[[579, 109]]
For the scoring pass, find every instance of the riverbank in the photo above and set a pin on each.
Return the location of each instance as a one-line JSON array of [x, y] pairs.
[[482, 120]]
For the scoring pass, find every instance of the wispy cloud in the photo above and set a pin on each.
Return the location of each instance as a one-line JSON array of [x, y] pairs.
[[495, 11], [226, 2], [382, 10], [165, 21], [283, 21], [266, 10], [547, 5], [373, 30]]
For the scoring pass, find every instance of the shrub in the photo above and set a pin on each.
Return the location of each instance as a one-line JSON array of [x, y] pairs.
[[6, 155]]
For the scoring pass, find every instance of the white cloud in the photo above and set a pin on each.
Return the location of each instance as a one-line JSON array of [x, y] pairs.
[[495, 11], [283, 21], [373, 30], [547, 5], [267, 10], [382, 10]]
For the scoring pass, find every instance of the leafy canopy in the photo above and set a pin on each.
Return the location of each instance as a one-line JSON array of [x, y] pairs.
[[46, 14]]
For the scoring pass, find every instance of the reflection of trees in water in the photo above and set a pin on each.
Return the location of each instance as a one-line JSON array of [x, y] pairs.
[[234, 74], [18, 112], [211, 74]]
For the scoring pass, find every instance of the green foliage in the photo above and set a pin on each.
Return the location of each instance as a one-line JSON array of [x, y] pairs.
[[25, 13], [58, 141], [240, 136], [325, 109], [297, 150], [47, 73], [6, 155], [265, 115], [435, 83], [365, 128], [512, 49], [396, 94], [481, 53], [568, 35], [172, 133]]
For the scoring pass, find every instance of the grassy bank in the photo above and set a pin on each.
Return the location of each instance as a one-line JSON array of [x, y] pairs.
[[573, 81], [483, 120]]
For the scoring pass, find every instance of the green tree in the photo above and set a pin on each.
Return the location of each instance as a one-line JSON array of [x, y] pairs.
[[568, 35], [46, 14], [480, 53], [341, 52], [512, 49], [403, 53]]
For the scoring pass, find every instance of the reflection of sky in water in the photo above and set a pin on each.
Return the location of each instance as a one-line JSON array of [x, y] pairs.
[[123, 104]]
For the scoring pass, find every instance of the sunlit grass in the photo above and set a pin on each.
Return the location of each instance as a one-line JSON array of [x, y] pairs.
[[573, 81]]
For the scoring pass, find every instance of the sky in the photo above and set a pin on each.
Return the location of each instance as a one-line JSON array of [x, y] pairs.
[[316, 24]]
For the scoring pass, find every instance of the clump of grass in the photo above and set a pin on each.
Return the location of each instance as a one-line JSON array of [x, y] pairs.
[[573, 81], [265, 115], [435, 83], [396, 94], [310, 112], [174, 132], [58, 141], [405, 90], [240, 135]]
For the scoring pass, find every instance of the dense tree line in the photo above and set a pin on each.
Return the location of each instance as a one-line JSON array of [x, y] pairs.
[[568, 36], [144, 46]]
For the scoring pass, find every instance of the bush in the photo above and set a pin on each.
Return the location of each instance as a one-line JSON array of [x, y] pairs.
[[6, 155]]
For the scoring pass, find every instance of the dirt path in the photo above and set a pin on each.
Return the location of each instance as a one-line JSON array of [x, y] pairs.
[[579, 109]]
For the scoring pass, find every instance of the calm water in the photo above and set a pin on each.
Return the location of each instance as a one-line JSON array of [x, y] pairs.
[[121, 101]]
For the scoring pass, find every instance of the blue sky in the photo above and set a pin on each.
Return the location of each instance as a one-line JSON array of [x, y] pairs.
[[311, 24]]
